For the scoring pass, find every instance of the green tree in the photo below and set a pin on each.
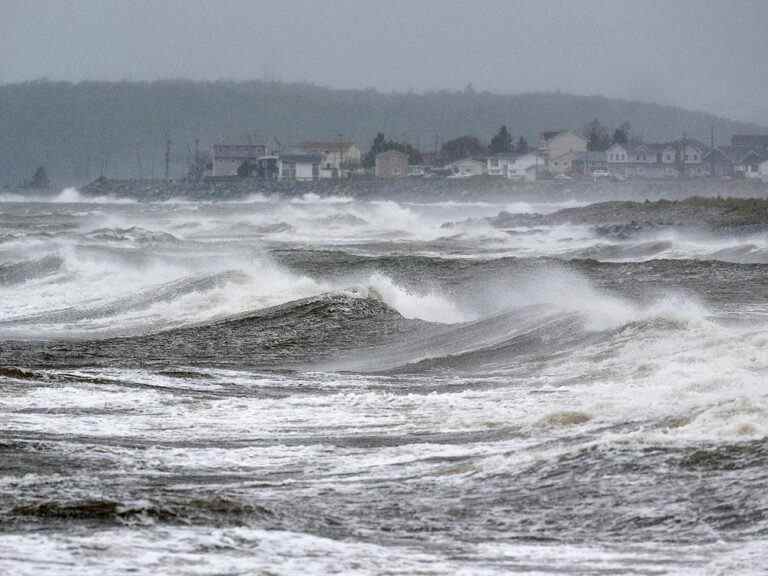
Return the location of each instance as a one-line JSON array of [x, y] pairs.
[[597, 135], [622, 133], [39, 179], [381, 144], [462, 147], [501, 143], [522, 146]]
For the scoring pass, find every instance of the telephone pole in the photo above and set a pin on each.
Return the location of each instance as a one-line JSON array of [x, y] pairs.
[[167, 158]]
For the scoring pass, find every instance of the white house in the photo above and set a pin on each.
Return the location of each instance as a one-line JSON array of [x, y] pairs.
[[750, 164], [467, 167], [299, 166], [497, 164], [336, 156], [762, 169], [525, 167]]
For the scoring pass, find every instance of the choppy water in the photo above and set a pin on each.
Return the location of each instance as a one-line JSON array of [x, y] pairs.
[[324, 386]]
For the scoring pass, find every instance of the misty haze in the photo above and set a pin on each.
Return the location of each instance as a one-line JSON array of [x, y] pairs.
[[383, 288]]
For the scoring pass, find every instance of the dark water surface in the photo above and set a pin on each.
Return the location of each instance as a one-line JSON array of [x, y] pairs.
[[325, 386]]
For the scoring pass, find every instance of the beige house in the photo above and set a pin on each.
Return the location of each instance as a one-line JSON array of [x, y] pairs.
[[559, 149], [391, 164]]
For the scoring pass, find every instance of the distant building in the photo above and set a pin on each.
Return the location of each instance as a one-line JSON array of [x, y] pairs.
[[515, 166], [585, 163], [467, 167], [336, 157], [750, 164], [498, 164], [559, 149], [685, 157], [229, 158], [762, 170], [299, 166], [525, 167], [719, 163], [391, 164]]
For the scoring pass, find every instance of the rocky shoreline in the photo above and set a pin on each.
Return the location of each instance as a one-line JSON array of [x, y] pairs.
[[487, 189], [621, 220]]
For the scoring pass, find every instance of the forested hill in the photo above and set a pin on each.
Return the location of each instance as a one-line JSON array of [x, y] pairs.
[[79, 130]]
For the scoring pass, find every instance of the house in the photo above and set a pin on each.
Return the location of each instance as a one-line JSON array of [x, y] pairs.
[[762, 170], [562, 164], [559, 149], [750, 164], [525, 167], [391, 164], [585, 163], [299, 166], [467, 167], [651, 160], [684, 157], [719, 163], [229, 158], [336, 156], [497, 164], [691, 157]]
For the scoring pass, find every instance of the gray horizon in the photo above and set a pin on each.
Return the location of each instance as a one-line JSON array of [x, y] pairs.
[[697, 55]]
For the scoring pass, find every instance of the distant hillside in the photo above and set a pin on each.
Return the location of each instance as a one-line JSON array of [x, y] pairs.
[[79, 130]]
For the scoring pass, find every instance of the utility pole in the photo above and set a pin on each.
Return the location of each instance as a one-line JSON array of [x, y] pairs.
[[167, 158], [341, 153], [139, 166], [712, 150]]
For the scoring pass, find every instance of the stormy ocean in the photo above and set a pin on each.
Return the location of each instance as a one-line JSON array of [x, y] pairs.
[[323, 385]]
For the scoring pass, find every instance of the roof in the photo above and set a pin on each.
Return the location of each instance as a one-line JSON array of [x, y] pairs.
[[753, 140], [302, 158], [552, 133], [736, 153], [239, 151], [504, 156], [392, 153], [691, 142], [720, 154], [465, 160], [330, 146], [591, 156], [753, 157]]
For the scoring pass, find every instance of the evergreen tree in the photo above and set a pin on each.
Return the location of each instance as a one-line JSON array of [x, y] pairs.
[[501, 143], [597, 135], [39, 179], [622, 133], [522, 146], [381, 144], [462, 147]]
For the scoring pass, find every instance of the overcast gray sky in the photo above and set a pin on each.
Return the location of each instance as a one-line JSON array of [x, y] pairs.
[[701, 54]]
